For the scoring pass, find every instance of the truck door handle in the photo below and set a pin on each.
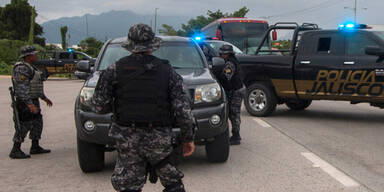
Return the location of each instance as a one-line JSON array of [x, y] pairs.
[[59, 61], [305, 62], [349, 63]]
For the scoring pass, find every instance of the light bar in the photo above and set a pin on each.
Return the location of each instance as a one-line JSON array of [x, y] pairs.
[[351, 26]]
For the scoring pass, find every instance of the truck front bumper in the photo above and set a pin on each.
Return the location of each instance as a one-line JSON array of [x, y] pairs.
[[206, 130]]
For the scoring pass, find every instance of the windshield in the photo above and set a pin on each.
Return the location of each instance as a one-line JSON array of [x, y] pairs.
[[246, 36], [181, 55], [217, 44]]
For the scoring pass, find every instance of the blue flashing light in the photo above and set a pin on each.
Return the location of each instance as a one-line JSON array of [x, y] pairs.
[[70, 50], [350, 25], [197, 38]]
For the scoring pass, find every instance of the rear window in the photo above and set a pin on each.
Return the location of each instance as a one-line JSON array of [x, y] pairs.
[[181, 55], [324, 45]]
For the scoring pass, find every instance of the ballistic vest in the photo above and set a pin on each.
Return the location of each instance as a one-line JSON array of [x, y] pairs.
[[142, 91], [36, 83]]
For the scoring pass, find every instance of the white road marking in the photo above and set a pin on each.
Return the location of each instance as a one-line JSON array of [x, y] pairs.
[[262, 122], [331, 170]]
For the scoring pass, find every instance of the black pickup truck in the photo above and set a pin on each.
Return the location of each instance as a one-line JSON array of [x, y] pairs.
[[60, 62], [209, 103], [345, 64]]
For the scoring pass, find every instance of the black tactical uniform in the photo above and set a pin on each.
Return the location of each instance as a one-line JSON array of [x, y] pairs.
[[147, 98], [28, 85], [231, 79]]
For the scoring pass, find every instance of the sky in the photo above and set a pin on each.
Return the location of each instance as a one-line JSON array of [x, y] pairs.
[[327, 13]]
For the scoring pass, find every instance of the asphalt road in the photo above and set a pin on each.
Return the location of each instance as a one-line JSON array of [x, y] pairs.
[[333, 146]]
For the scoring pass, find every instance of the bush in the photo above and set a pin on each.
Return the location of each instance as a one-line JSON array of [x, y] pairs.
[[5, 69], [10, 52]]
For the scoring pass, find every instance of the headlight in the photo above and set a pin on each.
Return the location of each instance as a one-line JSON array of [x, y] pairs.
[[207, 93], [86, 94]]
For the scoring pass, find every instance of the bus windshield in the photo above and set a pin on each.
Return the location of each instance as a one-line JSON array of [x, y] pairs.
[[245, 36]]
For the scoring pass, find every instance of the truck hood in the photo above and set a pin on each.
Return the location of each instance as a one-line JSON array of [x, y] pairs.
[[191, 77]]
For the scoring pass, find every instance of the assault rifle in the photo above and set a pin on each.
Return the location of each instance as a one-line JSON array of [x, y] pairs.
[[16, 118]]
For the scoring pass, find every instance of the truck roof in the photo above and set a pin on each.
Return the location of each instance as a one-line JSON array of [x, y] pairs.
[[337, 30]]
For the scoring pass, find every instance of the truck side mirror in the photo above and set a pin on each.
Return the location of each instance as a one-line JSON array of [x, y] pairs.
[[274, 35], [377, 51], [84, 66], [92, 61], [218, 63]]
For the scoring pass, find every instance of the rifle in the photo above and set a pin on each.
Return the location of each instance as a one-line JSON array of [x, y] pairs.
[[16, 118]]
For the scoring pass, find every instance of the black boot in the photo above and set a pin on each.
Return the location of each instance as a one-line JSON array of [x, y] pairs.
[[36, 149], [235, 139], [17, 153], [176, 187]]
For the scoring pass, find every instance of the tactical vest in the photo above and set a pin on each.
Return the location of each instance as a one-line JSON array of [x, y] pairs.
[[141, 91], [36, 83]]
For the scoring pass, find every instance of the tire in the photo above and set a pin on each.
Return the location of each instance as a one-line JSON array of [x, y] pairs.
[[298, 105], [218, 150], [260, 100], [91, 156]]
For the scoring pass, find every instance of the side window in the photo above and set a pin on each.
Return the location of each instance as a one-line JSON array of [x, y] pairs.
[[64, 55], [324, 45], [356, 44], [329, 43]]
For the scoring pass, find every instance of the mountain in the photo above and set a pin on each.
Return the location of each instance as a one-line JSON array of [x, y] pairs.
[[107, 25]]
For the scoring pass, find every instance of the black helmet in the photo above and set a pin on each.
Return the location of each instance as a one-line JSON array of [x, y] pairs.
[[28, 50], [226, 49]]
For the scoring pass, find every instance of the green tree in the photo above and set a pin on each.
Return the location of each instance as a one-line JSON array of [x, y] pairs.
[[91, 46], [240, 13], [15, 21], [170, 31], [63, 32]]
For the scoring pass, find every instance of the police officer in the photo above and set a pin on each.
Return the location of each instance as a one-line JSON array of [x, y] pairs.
[[28, 85], [147, 98], [231, 79]]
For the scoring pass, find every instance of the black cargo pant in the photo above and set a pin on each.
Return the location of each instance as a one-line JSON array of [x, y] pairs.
[[29, 122], [136, 147], [235, 99]]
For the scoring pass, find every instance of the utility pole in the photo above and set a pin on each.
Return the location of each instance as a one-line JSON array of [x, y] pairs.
[[354, 10], [156, 20], [86, 23], [32, 27]]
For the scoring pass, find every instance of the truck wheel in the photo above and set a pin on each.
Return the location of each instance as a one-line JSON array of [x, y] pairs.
[[260, 100], [90, 155], [218, 150], [298, 105]]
